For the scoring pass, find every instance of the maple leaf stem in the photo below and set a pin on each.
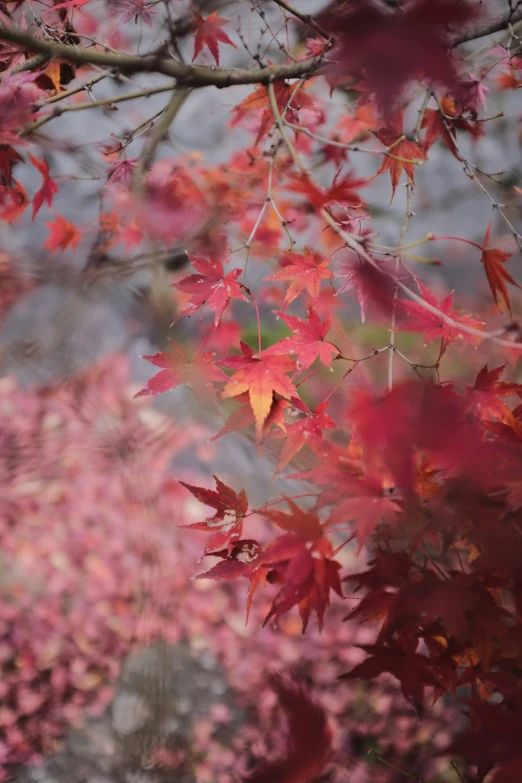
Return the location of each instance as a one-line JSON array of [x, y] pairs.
[[336, 552], [280, 500], [254, 300], [459, 239], [356, 362], [417, 243], [209, 332], [310, 375]]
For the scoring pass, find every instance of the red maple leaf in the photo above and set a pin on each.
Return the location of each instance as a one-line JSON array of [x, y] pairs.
[[484, 398], [493, 260], [305, 273], [62, 234], [302, 562], [242, 560], [298, 434], [309, 740], [456, 601], [307, 342], [373, 287], [211, 286], [342, 191], [227, 523], [200, 374], [261, 378], [443, 123], [404, 151], [390, 48], [13, 202], [209, 33], [388, 569], [413, 670], [416, 416], [354, 126], [139, 9], [8, 156], [48, 189], [122, 172], [437, 127], [432, 325], [370, 505]]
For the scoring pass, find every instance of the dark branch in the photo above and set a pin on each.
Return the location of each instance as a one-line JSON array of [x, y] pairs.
[[487, 27], [189, 75], [201, 76]]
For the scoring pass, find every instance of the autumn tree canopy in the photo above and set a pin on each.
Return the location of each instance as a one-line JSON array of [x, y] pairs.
[[331, 337]]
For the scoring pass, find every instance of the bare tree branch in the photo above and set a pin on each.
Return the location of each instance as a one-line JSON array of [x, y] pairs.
[[487, 27], [188, 75], [201, 76]]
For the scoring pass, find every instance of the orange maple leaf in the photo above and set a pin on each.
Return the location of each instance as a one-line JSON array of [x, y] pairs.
[[403, 152], [493, 259], [288, 100], [62, 234], [342, 191], [305, 272], [260, 377]]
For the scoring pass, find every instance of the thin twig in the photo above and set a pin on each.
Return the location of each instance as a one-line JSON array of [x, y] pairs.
[[158, 134], [409, 215], [305, 18], [72, 91], [352, 147], [59, 110], [469, 173]]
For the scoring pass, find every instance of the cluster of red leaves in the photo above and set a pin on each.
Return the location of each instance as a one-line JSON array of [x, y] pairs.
[[454, 464]]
